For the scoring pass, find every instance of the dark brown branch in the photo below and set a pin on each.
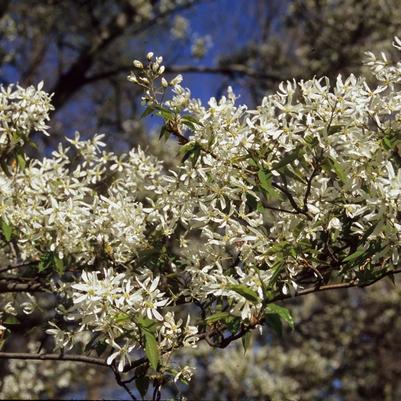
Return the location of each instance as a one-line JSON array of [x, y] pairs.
[[54, 357], [76, 76], [225, 341], [291, 199], [277, 209], [337, 286], [19, 266], [8, 286], [309, 186], [122, 383]]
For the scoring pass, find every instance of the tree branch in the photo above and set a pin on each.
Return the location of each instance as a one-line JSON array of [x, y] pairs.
[[291, 199], [336, 286], [122, 383], [54, 357], [225, 341], [18, 266], [7, 286], [76, 76]]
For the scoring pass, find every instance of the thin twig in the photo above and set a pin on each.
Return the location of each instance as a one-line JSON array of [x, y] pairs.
[[225, 341], [122, 383]]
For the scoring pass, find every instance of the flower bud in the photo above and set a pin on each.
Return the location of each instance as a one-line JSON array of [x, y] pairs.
[[155, 67], [177, 80], [132, 78], [138, 64]]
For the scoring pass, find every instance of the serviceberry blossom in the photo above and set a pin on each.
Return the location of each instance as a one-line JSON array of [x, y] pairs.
[[300, 193]]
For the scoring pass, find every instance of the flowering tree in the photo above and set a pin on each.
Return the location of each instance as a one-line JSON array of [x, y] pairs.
[[138, 262]]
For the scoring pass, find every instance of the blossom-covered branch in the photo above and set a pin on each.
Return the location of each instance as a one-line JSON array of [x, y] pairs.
[[300, 195]]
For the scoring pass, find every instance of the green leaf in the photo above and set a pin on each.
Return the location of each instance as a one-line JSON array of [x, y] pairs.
[[148, 110], [59, 265], [41, 266], [369, 231], [251, 202], [187, 147], [338, 169], [210, 141], [191, 119], [121, 317], [4, 167], [11, 320], [164, 109], [187, 155], [273, 320], [233, 323], [195, 155], [282, 312], [217, 316], [146, 324], [189, 124], [45, 262], [21, 160], [191, 150], [246, 340], [354, 256], [164, 132], [259, 207], [333, 129], [163, 112], [253, 163], [246, 292], [151, 349], [166, 115], [293, 174], [387, 143], [277, 267], [7, 230], [287, 159], [265, 179]]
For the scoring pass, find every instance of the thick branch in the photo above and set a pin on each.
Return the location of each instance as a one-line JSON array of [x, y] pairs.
[[7, 286], [18, 266], [54, 357]]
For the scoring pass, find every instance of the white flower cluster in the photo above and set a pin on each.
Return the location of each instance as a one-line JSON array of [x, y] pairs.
[[302, 190], [22, 111], [113, 307]]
